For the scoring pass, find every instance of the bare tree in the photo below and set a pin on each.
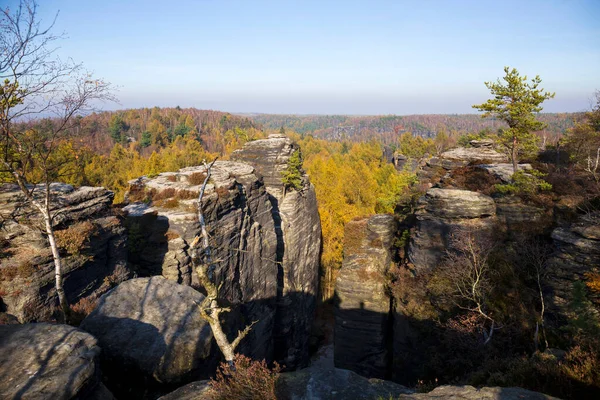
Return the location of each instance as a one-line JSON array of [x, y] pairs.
[[467, 268], [204, 265], [535, 255], [38, 84]]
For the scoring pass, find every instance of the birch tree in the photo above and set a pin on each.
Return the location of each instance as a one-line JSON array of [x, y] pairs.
[[204, 266], [36, 84]]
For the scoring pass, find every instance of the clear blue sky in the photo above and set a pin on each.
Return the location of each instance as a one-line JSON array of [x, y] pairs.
[[324, 57]]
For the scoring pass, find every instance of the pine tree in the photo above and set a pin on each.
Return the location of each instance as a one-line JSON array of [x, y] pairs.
[[516, 103]]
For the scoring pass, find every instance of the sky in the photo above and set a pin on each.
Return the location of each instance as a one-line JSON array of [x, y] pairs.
[[330, 57]]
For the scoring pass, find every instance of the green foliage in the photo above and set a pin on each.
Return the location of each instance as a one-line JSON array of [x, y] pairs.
[[525, 183], [292, 175], [516, 102], [146, 139], [583, 140], [584, 319], [415, 146], [465, 140], [117, 127]]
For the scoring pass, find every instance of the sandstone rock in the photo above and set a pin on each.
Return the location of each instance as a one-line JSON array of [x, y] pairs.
[[100, 260], [238, 215], [322, 381], [462, 156], [440, 212], [482, 143], [192, 391], [519, 217], [578, 253], [44, 361], [298, 230], [362, 316], [150, 331], [504, 171], [471, 393]]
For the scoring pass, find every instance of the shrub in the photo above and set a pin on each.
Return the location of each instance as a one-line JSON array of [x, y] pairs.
[[291, 177], [197, 178], [245, 380], [82, 309], [163, 194], [74, 238], [187, 194], [525, 183]]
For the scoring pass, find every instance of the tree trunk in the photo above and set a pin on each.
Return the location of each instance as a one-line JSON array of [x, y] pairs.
[[58, 276], [515, 161]]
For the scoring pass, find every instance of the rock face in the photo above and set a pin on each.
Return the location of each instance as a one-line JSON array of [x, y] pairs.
[[439, 212], [44, 361], [92, 241], [578, 253], [362, 316], [298, 231], [238, 215], [150, 332], [267, 239]]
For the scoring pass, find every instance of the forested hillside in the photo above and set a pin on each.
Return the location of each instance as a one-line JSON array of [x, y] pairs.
[[387, 128], [153, 128]]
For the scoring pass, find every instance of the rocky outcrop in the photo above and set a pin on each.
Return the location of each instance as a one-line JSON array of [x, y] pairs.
[[471, 393], [92, 242], [503, 171], [438, 167], [199, 390], [298, 231], [463, 156], [238, 215], [578, 253], [151, 333], [44, 361], [441, 211], [362, 317]]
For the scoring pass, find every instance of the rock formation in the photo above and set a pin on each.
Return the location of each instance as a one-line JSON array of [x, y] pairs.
[[44, 361], [439, 212], [237, 211], [151, 333], [266, 238], [362, 318], [92, 241], [298, 230], [578, 253]]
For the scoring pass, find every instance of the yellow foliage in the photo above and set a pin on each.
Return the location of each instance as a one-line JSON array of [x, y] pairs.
[[350, 182], [593, 281]]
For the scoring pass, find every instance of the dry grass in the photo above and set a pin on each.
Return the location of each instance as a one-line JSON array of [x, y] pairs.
[[247, 379], [197, 178], [74, 238]]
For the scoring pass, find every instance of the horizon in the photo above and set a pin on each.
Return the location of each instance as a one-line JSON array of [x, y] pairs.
[[332, 58]]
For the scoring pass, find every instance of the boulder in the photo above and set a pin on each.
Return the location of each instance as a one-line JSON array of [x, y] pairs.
[[441, 211], [192, 391], [471, 393], [362, 315], [163, 222], [298, 231], [151, 333], [504, 171], [577, 254], [92, 242], [44, 361]]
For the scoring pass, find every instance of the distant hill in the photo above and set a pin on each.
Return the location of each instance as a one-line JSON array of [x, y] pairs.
[[156, 127], [387, 128]]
